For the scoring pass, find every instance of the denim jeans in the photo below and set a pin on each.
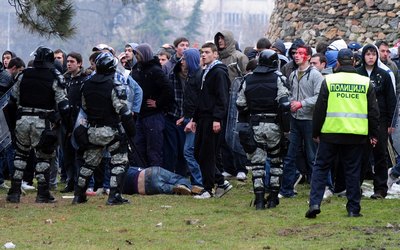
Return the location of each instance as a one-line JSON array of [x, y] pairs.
[[174, 140], [192, 164], [6, 160], [161, 181], [300, 131]]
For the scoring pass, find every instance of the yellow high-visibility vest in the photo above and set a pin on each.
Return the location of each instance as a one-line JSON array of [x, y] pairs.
[[347, 111]]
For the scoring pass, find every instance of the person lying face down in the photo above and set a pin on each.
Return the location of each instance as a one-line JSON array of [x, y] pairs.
[[155, 180]]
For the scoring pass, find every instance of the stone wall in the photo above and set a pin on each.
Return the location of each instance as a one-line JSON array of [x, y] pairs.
[[364, 21]]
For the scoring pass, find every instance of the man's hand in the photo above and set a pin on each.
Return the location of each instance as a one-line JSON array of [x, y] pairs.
[[373, 141], [295, 105], [216, 127], [179, 121], [151, 103], [390, 130], [316, 140], [190, 127]]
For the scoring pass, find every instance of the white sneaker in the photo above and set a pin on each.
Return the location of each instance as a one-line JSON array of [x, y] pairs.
[[221, 190], [4, 186], [241, 176], [227, 175], [26, 186], [90, 192], [391, 179], [204, 195], [327, 194]]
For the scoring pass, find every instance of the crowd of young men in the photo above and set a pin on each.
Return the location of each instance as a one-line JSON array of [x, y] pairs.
[[172, 108]]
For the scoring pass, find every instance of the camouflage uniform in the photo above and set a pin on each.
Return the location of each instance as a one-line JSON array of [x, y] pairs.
[[259, 98], [104, 101], [35, 127]]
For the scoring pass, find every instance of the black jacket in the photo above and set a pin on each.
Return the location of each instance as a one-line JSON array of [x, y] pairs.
[[214, 94], [191, 94], [155, 85], [320, 114], [383, 86]]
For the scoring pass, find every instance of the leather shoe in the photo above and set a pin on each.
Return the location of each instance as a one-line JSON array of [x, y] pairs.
[[377, 196], [353, 214], [313, 211]]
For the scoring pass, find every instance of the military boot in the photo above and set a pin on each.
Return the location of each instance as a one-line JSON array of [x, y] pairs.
[[14, 193], [259, 202], [272, 200], [44, 195], [79, 195], [115, 198]]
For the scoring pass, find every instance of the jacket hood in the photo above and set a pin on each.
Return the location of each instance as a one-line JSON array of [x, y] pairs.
[[278, 44], [364, 51], [296, 43], [338, 45], [192, 57], [145, 52], [229, 43]]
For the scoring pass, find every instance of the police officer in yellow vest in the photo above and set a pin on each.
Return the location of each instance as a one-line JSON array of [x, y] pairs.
[[346, 116]]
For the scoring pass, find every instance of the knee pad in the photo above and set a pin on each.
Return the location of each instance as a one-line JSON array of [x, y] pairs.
[[258, 173]]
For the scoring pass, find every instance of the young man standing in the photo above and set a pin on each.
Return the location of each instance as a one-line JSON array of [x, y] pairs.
[[181, 44], [210, 113], [305, 83], [387, 103]]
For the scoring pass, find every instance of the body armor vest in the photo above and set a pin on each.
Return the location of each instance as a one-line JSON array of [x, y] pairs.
[[36, 89], [261, 91], [99, 106]]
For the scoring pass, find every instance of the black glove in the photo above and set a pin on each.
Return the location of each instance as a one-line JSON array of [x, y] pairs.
[[129, 125]]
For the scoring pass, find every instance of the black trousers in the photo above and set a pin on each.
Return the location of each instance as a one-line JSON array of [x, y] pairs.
[[206, 147]]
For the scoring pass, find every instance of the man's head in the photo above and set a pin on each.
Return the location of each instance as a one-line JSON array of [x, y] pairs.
[[345, 58], [370, 55], [209, 53], [384, 52], [44, 58], [267, 61], [262, 44], [163, 57], [181, 44], [106, 63], [15, 66], [92, 59], [74, 62], [318, 60], [59, 55], [7, 55], [302, 55], [221, 42]]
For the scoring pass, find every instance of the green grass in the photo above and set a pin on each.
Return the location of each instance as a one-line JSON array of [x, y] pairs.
[[225, 223]]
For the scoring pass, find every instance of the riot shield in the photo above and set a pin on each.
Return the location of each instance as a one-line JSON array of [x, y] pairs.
[[5, 135], [396, 124], [231, 132]]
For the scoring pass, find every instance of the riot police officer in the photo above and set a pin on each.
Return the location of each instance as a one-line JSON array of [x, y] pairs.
[[38, 92], [262, 96], [104, 102]]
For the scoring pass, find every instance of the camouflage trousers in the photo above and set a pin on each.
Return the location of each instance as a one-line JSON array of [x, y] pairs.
[[268, 137], [29, 135], [104, 140]]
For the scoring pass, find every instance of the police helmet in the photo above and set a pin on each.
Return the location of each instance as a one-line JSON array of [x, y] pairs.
[[267, 60], [43, 57], [106, 63]]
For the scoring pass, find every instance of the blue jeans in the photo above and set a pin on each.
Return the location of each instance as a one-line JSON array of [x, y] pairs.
[[192, 164], [161, 181], [6, 160], [174, 140], [300, 131]]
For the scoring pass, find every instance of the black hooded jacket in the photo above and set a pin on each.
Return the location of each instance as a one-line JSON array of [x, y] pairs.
[[155, 86], [214, 94], [383, 86]]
